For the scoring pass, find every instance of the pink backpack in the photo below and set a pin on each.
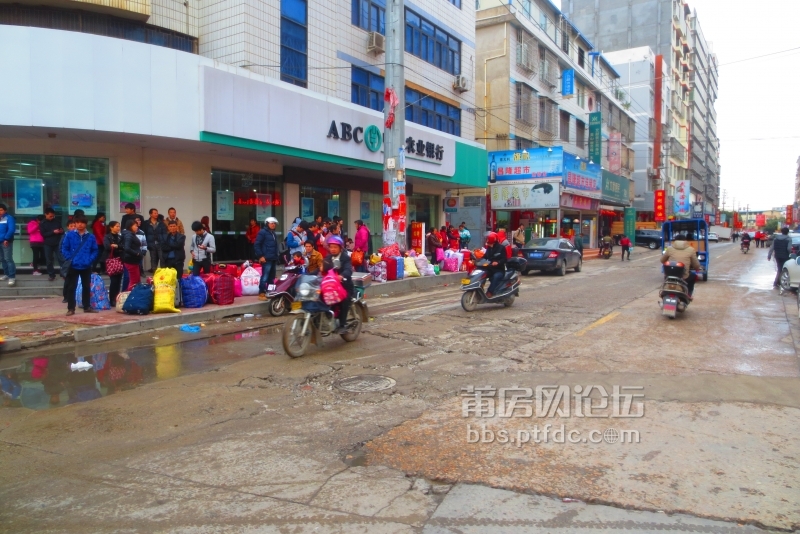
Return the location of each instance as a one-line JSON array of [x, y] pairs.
[[333, 292]]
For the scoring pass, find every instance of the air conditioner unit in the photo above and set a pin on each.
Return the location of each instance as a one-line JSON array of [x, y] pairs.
[[376, 44], [651, 171], [461, 84]]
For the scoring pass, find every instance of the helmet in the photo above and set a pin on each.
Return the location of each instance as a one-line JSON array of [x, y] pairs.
[[271, 220], [491, 239], [335, 240]]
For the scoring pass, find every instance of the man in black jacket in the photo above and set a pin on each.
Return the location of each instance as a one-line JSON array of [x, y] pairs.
[[339, 261], [173, 248], [52, 232], [497, 256], [782, 249], [266, 251], [154, 232], [130, 215]]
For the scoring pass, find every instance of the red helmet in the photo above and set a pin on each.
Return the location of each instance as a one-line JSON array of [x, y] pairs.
[[491, 239]]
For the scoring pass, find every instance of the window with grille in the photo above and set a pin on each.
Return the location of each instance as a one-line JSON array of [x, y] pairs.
[[525, 102], [369, 15], [581, 57], [431, 43], [520, 143], [548, 67], [294, 42], [547, 116], [366, 89], [526, 51]]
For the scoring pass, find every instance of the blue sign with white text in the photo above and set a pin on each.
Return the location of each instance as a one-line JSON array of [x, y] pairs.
[[568, 83], [520, 166]]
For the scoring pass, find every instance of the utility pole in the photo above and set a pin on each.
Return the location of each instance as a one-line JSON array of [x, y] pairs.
[[394, 174], [724, 196]]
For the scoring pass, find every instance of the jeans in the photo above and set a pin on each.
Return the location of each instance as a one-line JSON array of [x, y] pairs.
[[496, 278], [134, 274], [202, 265], [268, 269], [780, 262], [49, 254], [6, 258], [72, 285]]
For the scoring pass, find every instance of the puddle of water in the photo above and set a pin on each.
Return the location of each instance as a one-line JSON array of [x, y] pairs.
[[44, 382]]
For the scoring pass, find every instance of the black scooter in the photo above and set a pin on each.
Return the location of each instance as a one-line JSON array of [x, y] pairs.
[[508, 290], [674, 291]]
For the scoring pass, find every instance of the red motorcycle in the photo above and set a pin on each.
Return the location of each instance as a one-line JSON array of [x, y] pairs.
[[281, 293]]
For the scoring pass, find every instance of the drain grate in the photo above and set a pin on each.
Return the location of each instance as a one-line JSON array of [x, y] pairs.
[[365, 383]]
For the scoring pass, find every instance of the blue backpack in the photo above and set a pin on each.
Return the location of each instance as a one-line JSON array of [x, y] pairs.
[[140, 300], [193, 292]]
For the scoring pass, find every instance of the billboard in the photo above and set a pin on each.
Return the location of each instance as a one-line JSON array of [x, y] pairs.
[[568, 83], [520, 166], [761, 220], [596, 137], [682, 206], [543, 195], [616, 188], [582, 177]]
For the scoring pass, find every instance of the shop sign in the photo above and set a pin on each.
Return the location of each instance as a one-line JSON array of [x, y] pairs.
[[697, 210], [418, 237], [579, 203], [568, 83], [450, 205], [596, 137], [789, 220], [682, 202], [520, 166], [660, 205], [544, 195], [614, 152], [630, 222], [371, 137], [616, 188], [582, 176], [761, 220], [718, 218], [424, 148]]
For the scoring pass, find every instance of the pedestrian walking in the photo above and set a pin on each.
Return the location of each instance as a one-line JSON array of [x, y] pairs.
[[202, 247], [781, 248], [625, 243], [172, 216], [37, 244], [99, 230], [79, 249], [132, 253], [266, 251], [174, 248], [112, 248], [52, 232], [578, 243], [155, 232], [8, 227]]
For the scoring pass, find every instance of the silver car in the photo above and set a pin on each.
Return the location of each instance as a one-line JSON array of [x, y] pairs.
[[790, 277]]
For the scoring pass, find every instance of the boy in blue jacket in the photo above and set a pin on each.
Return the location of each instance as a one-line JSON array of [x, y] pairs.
[[80, 247], [8, 226]]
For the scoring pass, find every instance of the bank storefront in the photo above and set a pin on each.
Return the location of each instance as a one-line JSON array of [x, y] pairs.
[[212, 141]]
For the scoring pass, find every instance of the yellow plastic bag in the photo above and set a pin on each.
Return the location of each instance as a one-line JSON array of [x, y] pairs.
[[164, 299], [166, 277], [374, 259], [410, 267]]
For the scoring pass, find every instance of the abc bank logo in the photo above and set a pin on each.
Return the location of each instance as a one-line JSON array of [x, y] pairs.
[[371, 136]]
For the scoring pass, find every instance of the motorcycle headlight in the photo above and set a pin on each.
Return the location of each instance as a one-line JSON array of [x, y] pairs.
[[477, 272], [304, 289]]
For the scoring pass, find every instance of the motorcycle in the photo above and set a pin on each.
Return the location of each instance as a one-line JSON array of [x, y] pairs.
[[509, 288], [745, 247], [674, 292], [312, 320], [280, 294], [606, 251]]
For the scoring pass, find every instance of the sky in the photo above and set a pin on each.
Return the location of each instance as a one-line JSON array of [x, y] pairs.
[[758, 113]]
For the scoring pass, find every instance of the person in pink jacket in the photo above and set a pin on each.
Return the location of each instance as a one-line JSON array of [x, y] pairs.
[[37, 244], [362, 243]]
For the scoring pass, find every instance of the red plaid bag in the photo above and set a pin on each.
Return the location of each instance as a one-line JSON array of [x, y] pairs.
[[113, 265]]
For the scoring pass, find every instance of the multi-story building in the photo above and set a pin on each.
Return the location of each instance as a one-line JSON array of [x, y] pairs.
[[797, 185], [232, 110], [670, 29], [538, 80]]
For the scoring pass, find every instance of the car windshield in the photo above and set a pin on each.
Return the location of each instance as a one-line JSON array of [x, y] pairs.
[[796, 240], [542, 243]]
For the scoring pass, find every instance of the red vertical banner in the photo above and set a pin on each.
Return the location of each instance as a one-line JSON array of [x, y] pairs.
[[660, 205], [708, 219], [789, 215], [761, 219], [417, 236], [717, 218]]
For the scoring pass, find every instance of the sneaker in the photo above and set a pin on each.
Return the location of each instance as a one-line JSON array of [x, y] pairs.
[[70, 312], [262, 296], [36, 273], [90, 310], [12, 281], [4, 277]]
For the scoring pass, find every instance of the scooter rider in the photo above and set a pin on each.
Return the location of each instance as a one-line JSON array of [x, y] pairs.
[[497, 256], [746, 240], [339, 261], [682, 252]]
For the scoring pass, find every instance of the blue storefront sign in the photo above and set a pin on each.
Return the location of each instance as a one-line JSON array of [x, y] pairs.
[[520, 166], [568, 83], [581, 177]]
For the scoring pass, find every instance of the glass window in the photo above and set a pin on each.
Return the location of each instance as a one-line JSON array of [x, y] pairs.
[[367, 89], [294, 42], [434, 45], [369, 15], [255, 196], [428, 111], [328, 203]]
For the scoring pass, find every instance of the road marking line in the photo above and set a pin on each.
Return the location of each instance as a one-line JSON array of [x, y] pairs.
[[597, 323]]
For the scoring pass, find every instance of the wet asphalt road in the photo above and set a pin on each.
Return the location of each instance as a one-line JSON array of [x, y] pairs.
[[229, 434]]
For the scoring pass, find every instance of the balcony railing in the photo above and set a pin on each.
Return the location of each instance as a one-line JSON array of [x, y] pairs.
[[676, 149]]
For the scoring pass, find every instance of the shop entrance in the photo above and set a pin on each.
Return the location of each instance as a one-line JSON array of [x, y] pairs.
[[325, 202]]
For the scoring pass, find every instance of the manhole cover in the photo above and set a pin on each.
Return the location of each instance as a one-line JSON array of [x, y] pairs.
[[364, 383], [38, 326]]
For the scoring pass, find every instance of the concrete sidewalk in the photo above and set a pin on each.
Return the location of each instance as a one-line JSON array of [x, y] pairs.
[[31, 323]]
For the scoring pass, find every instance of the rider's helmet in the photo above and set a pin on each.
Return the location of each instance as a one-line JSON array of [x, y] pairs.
[[334, 240], [271, 220], [491, 239]]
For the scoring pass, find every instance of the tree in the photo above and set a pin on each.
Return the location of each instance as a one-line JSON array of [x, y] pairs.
[[773, 225]]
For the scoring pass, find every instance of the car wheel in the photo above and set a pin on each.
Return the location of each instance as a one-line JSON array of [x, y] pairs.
[[705, 277], [579, 266], [653, 245], [785, 280], [563, 269]]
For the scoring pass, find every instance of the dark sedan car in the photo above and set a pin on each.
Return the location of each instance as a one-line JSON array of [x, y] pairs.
[[551, 254], [651, 239]]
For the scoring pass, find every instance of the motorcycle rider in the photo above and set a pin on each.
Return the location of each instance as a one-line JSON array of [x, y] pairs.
[[682, 252], [339, 261], [746, 241], [497, 256], [608, 242]]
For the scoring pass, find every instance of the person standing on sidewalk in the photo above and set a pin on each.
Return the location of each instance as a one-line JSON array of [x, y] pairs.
[[37, 244], [130, 215], [79, 250], [266, 251], [155, 232], [99, 231], [251, 234], [8, 227], [781, 247], [202, 247], [112, 242], [625, 243], [172, 215], [51, 231], [131, 253], [174, 248], [362, 242]]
